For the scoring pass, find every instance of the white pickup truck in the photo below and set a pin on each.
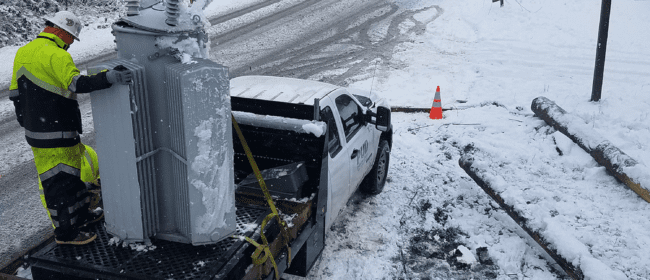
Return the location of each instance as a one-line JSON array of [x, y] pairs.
[[358, 130], [315, 143]]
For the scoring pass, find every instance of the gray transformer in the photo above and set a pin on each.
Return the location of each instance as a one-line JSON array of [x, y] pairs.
[[165, 144]]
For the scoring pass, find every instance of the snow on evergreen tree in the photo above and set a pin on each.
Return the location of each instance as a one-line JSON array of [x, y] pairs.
[[21, 21]]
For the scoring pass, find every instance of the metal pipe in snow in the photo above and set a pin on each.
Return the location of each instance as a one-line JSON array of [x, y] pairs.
[[603, 31]]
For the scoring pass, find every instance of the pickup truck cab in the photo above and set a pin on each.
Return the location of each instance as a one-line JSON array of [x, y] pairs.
[[357, 125]]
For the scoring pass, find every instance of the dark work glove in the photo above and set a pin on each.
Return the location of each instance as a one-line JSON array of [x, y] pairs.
[[120, 75]]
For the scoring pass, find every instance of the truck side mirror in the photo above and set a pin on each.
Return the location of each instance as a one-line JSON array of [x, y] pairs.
[[383, 119]]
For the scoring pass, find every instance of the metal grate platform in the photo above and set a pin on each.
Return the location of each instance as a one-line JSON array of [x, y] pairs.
[[169, 260]]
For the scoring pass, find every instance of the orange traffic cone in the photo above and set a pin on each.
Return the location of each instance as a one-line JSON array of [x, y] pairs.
[[436, 108]]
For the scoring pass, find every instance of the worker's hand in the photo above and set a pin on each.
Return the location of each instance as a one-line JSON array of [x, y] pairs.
[[120, 75]]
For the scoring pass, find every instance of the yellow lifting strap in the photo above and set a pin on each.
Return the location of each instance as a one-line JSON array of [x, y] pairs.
[[274, 212], [264, 247]]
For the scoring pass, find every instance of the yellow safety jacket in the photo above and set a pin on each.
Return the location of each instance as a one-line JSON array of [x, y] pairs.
[[44, 89]]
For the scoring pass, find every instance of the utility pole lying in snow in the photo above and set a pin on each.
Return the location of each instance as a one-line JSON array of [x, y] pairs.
[[603, 30]]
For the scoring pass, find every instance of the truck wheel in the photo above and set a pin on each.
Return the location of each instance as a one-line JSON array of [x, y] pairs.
[[376, 179]]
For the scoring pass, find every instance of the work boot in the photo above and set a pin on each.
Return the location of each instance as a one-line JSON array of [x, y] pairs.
[[81, 239]]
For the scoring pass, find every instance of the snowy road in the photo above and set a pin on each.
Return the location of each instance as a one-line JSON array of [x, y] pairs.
[[330, 51]]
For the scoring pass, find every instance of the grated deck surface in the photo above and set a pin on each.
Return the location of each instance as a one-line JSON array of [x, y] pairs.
[[169, 260]]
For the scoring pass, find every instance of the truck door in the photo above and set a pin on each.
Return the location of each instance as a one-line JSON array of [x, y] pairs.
[[339, 166], [357, 139]]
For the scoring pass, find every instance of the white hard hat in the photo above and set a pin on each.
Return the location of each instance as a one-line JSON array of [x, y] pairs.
[[66, 21]]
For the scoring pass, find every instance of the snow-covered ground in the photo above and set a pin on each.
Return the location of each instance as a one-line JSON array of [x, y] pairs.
[[490, 63], [498, 60]]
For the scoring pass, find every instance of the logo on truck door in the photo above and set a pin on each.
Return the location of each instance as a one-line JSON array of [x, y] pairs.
[[364, 156]]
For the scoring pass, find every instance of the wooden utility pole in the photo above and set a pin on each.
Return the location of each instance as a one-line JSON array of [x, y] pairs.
[[603, 30]]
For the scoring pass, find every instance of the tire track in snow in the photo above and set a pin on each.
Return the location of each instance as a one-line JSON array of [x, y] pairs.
[[254, 25], [349, 47], [428, 208], [287, 32]]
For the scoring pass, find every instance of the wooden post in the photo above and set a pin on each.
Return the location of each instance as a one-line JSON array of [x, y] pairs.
[[603, 151], [466, 162], [601, 48]]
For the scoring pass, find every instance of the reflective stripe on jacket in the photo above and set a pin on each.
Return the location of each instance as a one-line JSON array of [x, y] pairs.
[[45, 105], [46, 60]]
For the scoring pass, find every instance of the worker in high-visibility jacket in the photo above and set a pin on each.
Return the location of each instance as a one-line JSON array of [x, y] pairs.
[[44, 89]]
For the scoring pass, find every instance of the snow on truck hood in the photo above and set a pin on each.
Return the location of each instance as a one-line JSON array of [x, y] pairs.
[[280, 89]]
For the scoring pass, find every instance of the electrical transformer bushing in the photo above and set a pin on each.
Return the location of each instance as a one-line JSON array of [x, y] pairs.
[[165, 141]]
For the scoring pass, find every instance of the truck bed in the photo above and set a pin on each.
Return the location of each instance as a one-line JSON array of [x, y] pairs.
[[169, 260], [227, 259]]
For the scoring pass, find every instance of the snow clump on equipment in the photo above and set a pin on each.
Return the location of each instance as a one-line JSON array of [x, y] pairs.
[[210, 164]]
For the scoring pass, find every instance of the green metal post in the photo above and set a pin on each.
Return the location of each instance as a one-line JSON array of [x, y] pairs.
[[601, 50]]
